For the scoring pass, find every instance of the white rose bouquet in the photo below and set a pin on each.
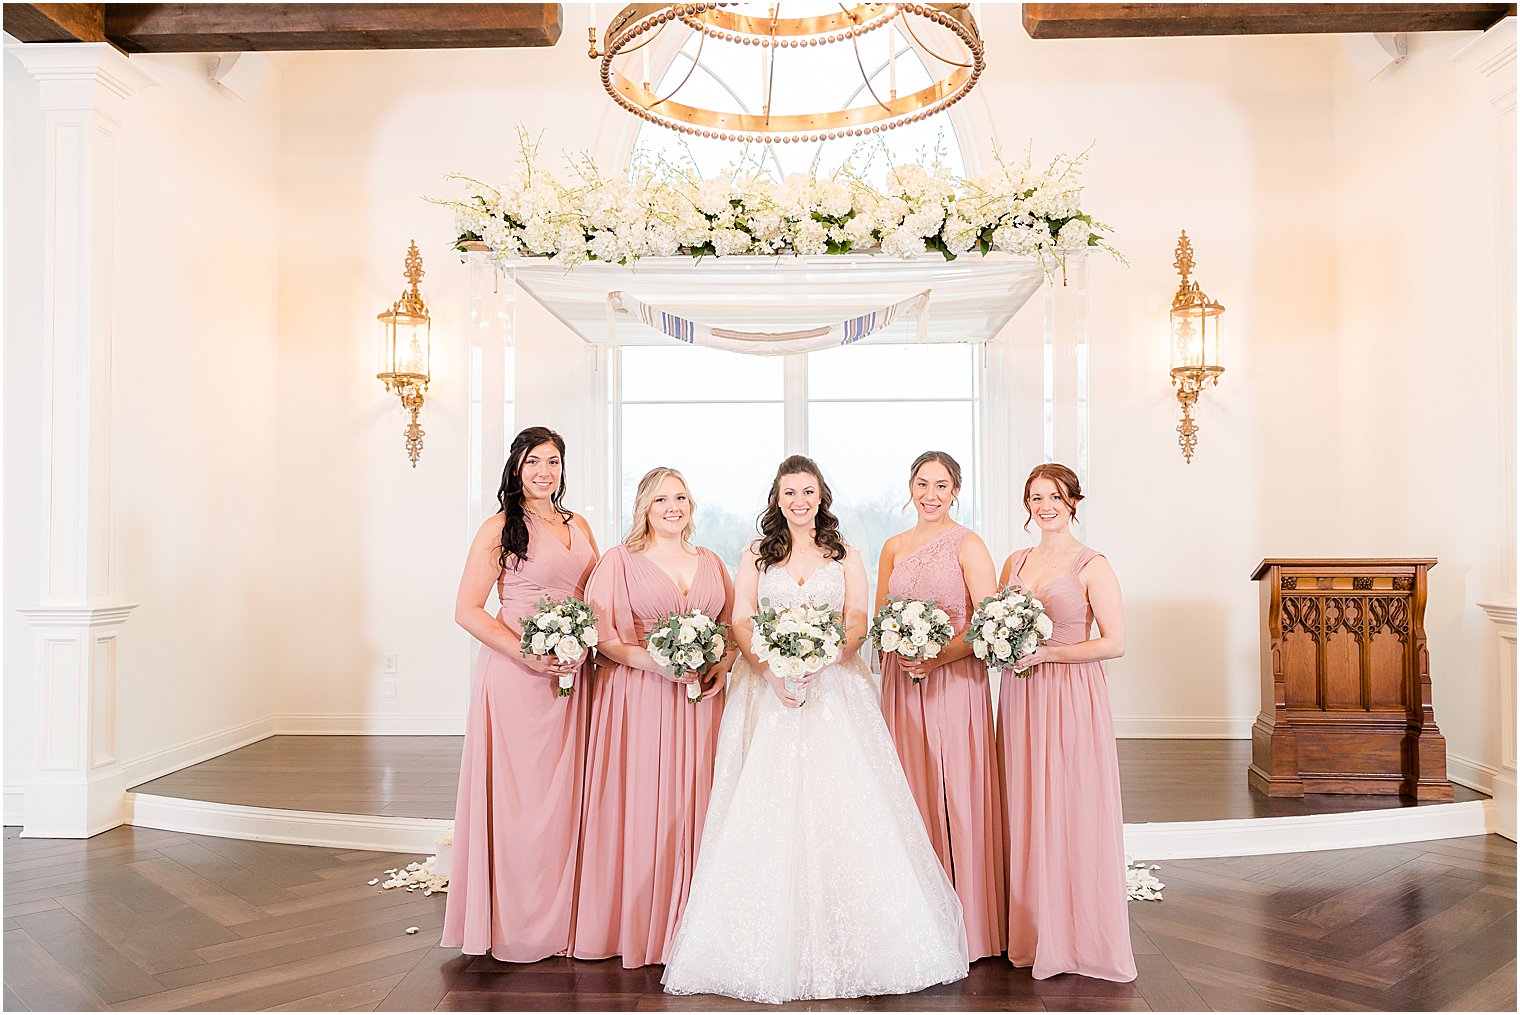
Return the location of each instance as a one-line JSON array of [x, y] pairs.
[[564, 628], [688, 643], [1005, 626], [911, 629], [797, 641]]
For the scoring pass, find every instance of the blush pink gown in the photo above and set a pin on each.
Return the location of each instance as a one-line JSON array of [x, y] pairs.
[[649, 766], [943, 731], [517, 815], [1068, 909]]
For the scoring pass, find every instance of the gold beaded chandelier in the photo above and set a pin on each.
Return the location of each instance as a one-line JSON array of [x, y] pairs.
[[638, 25]]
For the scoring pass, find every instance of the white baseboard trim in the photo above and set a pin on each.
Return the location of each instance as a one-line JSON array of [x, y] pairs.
[[1176, 840], [1165, 727], [1469, 773], [268, 824], [171, 759], [434, 724], [15, 805]]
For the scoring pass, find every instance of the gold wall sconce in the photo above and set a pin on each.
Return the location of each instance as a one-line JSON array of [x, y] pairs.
[[1195, 346], [405, 350]]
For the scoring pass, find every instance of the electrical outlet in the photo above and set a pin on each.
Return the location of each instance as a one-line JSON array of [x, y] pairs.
[[388, 687], [390, 663]]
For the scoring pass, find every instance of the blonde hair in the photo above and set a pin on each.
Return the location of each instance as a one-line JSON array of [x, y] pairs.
[[638, 537]]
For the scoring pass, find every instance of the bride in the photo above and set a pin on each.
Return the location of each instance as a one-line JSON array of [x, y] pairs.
[[815, 876]]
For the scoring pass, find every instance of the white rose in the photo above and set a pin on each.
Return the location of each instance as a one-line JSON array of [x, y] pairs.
[[979, 649], [688, 633], [589, 637], [564, 623], [914, 609], [1043, 625], [940, 616], [1030, 644], [568, 648], [919, 639], [990, 630], [795, 668], [890, 640], [831, 654], [806, 646], [931, 650], [1002, 648], [658, 656], [997, 608], [540, 645]]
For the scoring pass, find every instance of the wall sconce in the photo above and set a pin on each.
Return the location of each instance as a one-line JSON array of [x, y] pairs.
[[405, 336], [1195, 346]]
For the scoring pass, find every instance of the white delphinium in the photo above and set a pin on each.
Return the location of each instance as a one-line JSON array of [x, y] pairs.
[[688, 643], [563, 628]]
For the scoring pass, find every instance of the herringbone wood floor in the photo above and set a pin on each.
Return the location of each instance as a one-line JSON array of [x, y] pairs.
[[141, 920]]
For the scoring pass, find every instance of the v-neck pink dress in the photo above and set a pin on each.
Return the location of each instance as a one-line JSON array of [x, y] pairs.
[[649, 766], [942, 728], [517, 815], [1068, 909]]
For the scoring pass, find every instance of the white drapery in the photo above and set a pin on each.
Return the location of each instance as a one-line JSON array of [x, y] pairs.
[[773, 343]]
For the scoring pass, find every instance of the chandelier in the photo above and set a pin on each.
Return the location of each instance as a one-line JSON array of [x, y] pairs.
[[781, 41]]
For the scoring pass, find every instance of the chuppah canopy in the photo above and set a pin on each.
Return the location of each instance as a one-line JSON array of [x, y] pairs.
[[773, 305]]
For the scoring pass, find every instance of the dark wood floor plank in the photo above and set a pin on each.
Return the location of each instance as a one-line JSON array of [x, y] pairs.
[[12, 1002], [105, 970], [426, 983], [227, 875], [39, 906], [222, 906], [149, 944], [357, 997], [1495, 992], [41, 982], [319, 928], [1163, 988]]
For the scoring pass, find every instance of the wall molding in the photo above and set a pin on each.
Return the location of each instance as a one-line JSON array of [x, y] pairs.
[[411, 724], [14, 806], [1178, 840], [1168, 727], [1470, 773], [269, 824], [148, 767]]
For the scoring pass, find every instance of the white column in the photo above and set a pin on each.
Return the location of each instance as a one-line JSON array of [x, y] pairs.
[[1492, 55], [77, 787]]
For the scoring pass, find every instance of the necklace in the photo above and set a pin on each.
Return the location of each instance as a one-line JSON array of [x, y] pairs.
[[546, 521]]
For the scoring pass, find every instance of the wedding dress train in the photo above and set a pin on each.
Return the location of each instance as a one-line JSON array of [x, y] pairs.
[[815, 877]]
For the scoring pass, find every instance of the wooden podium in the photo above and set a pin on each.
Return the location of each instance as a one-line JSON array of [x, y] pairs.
[[1345, 681]]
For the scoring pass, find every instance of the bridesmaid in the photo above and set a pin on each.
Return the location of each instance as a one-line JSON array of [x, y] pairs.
[[943, 726], [1067, 904], [517, 816], [649, 768]]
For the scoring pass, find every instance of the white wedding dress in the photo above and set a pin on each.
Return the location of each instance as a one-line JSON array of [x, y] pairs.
[[815, 877]]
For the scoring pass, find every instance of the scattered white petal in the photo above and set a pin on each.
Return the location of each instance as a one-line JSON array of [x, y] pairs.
[[413, 930], [374, 881], [1139, 881], [424, 875]]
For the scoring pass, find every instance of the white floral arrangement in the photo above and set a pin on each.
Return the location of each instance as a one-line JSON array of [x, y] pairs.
[[1006, 625], [911, 629], [665, 211], [565, 628], [688, 643], [797, 641]]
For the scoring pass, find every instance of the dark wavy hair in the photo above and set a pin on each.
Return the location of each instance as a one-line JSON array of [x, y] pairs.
[[776, 538], [514, 527]]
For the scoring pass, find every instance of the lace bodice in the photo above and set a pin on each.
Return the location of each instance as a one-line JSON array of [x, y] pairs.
[[824, 587], [933, 571]]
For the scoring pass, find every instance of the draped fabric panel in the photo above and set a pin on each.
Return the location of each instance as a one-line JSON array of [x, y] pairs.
[[771, 343]]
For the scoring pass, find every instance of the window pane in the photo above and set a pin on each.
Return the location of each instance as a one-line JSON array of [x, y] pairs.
[[726, 453], [685, 373], [893, 371], [865, 450]]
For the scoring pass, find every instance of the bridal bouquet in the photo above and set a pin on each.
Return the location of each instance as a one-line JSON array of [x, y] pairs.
[[688, 643], [911, 629], [1005, 626], [797, 641], [559, 627]]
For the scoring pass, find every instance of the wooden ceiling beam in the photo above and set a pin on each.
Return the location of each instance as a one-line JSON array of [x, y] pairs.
[[55, 22], [230, 28], [1125, 21]]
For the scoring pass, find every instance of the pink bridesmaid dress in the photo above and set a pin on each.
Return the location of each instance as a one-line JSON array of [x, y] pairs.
[[517, 816], [943, 731], [649, 766], [1068, 909]]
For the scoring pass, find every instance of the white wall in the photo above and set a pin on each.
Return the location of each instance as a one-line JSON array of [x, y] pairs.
[[1424, 411], [194, 382]]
